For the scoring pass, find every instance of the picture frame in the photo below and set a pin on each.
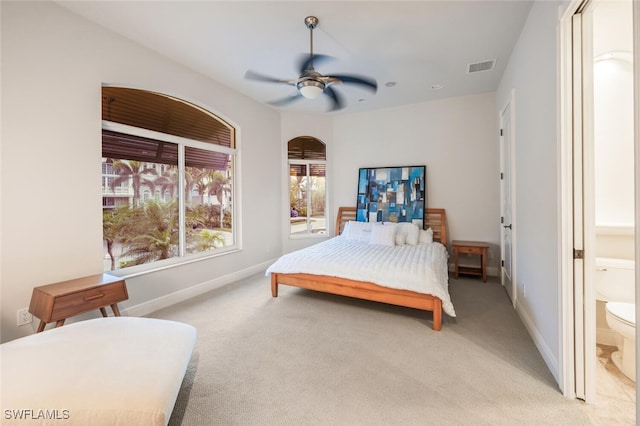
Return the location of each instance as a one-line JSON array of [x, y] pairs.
[[392, 194]]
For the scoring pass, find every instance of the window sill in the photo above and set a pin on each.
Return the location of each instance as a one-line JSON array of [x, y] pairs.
[[136, 271]]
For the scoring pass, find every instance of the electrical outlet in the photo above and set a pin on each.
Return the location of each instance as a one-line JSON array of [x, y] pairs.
[[24, 317]]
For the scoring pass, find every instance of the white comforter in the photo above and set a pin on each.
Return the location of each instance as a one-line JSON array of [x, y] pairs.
[[421, 268]]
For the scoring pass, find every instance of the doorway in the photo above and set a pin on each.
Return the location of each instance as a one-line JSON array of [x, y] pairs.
[[589, 52]]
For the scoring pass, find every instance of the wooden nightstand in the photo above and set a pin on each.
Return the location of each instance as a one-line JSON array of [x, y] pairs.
[[470, 247], [59, 301]]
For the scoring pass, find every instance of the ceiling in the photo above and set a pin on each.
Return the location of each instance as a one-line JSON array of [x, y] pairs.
[[424, 47]]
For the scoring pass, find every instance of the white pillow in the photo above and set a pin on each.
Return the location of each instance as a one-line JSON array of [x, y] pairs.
[[426, 236], [383, 234], [359, 231], [350, 231], [345, 229], [407, 233]]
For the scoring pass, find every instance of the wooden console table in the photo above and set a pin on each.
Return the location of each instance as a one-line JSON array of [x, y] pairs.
[[59, 301], [470, 247]]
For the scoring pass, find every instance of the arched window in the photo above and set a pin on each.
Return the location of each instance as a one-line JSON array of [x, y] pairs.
[[307, 160], [158, 144]]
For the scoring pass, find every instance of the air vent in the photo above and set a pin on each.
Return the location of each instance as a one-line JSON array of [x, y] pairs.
[[481, 66]]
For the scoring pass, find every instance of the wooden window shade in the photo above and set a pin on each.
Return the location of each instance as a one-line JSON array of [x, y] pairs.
[[129, 147], [306, 148], [164, 114]]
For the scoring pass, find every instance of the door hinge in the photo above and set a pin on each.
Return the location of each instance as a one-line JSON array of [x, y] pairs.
[[578, 254], [500, 132], [501, 219], [502, 263], [501, 176]]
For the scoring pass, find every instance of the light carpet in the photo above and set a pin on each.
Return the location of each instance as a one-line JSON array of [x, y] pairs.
[[308, 358]]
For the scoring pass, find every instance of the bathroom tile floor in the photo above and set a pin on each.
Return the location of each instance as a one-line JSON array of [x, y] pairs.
[[616, 394]]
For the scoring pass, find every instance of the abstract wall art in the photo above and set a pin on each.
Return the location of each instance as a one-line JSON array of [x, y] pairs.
[[392, 194]]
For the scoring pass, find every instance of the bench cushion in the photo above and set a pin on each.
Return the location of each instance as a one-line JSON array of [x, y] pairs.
[[111, 371]]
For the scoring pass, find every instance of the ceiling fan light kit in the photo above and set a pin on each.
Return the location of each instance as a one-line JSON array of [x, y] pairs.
[[310, 84], [310, 89]]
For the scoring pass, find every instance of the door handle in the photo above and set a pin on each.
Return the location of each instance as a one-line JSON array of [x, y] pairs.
[[507, 226]]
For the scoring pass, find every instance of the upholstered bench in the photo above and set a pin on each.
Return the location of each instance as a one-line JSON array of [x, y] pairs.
[[103, 371]]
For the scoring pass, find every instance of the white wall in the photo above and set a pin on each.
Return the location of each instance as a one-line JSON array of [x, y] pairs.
[[613, 115], [53, 65], [532, 72], [456, 138]]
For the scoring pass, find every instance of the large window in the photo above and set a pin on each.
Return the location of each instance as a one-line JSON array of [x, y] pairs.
[[307, 186], [167, 179]]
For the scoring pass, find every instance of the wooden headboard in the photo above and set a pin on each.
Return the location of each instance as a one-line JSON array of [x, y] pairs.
[[435, 219], [345, 214]]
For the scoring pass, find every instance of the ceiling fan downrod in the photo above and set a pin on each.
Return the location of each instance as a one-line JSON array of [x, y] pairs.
[[311, 22]]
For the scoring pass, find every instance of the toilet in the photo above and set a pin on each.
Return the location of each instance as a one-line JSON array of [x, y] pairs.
[[615, 284]]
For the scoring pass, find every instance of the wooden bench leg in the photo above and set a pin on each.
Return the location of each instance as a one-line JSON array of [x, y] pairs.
[[274, 285]]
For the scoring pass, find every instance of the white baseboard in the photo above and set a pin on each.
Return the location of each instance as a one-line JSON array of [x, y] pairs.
[[547, 354], [153, 305]]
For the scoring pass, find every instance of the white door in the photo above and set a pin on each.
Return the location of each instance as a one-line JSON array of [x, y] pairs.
[[583, 351], [507, 205]]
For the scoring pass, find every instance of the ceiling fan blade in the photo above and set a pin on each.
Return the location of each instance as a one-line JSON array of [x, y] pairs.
[[252, 75], [287, 100], [306, 61], [352, 79], [337, 100]]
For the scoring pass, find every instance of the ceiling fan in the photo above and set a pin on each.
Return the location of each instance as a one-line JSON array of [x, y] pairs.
[[311, 84]]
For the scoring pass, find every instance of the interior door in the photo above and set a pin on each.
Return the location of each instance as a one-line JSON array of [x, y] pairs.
[[507, 205]]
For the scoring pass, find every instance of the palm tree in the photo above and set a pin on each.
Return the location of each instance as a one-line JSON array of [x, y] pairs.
[[201, 179], [133, 170], [109, 234], [217, 186], [168, 181], [191, 175], [113, 222], [298, 193], [155, 236]]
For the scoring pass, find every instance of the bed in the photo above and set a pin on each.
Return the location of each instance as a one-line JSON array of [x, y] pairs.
[[103, 371], [413, 275]]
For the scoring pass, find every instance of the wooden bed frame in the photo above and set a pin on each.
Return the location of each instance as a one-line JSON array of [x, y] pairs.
[[434, 219]]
